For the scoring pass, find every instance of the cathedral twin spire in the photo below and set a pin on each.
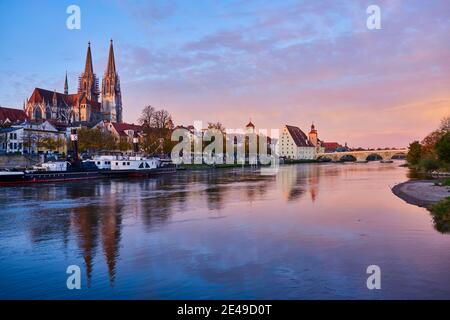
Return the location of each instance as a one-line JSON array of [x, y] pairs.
[[88, 82], [111, 68], [111, 104]]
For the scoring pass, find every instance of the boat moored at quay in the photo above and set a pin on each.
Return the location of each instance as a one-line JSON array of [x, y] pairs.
[[105, 166], [101, 167]]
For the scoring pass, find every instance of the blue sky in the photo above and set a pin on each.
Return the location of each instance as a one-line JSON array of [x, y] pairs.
[[276, 62]]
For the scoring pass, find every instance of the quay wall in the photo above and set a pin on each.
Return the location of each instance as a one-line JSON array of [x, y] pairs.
[[19, 161]]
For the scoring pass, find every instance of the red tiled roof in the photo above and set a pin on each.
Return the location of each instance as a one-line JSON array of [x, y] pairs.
[[122, 127], [126, 126], [299, 137], [14, 115], [62, 99], [330, 146]]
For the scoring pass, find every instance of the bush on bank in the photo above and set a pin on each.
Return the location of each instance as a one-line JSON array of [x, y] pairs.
[[441, 215]]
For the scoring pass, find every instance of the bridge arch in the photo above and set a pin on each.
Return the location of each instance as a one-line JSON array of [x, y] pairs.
[[324, 158], [347, 158], [373, 157], [399, 156]]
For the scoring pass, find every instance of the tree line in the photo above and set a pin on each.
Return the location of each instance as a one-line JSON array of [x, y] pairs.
[[433, 152]]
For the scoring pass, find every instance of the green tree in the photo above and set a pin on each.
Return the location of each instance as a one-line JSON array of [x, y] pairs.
[[94, 140], [414, 153], [124, 145], [429, 164], [443, 147]]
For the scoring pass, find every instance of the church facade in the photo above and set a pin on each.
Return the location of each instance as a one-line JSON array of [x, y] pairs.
[[83, 106]]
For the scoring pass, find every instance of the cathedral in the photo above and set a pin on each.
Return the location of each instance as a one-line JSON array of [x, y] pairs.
[[83, 106]]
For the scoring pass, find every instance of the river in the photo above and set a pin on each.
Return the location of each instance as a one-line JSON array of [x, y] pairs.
[[308, 232]]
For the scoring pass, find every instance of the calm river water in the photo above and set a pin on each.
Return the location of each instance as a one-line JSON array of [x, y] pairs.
[[308, 232]]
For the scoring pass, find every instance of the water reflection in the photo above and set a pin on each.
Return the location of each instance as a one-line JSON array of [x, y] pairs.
[[277, 236]]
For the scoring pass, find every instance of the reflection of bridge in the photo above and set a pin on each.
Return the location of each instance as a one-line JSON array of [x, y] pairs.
[[363, 155]]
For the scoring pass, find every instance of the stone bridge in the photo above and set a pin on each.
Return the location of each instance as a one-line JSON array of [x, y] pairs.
[[362, 155]]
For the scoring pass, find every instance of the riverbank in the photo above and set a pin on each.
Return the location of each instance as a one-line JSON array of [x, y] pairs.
[[421, 193], [433, 195]]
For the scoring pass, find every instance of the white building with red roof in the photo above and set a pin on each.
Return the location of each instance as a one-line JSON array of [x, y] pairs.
[[294, 144]]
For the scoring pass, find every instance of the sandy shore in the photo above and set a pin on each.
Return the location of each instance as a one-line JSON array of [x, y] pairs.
[[421, 192]]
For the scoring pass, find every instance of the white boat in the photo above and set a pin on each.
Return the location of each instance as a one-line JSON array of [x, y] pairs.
[[122, 163], [135, 163], [102, 162], [54, 166]]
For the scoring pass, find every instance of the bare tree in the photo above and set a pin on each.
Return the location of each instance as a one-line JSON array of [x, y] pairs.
[[162, 120], [216, 125], [30, 140], [147, 115]]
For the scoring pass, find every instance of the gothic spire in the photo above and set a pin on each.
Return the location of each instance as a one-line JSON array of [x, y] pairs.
[[89, 69], [66, 86], [111, 68]]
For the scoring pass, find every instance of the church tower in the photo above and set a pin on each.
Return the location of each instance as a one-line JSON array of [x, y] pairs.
[[66, 85], [111, 94], [313, 136], [88, 82]]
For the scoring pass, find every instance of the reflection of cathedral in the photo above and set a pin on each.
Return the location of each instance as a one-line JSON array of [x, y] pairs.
[[92, 222], [83, 106]]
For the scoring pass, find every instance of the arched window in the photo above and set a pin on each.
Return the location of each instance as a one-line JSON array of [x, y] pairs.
[[48, 114], [38, 113]]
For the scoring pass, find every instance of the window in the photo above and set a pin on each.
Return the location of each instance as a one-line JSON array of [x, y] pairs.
[[146, 165], [37, 113], [128, 163], [124, 163], [15, 145], [141, 166], [98, 162], [20, 145]]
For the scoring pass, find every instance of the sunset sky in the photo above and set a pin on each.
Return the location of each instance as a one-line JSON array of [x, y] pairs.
[[276, 62]]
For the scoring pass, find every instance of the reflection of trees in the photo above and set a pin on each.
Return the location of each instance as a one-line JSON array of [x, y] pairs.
[[215, 192], [163, 195], [157, 209], [48, 225]]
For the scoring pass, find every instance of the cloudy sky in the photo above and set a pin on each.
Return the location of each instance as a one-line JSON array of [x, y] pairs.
[[276, 62]]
